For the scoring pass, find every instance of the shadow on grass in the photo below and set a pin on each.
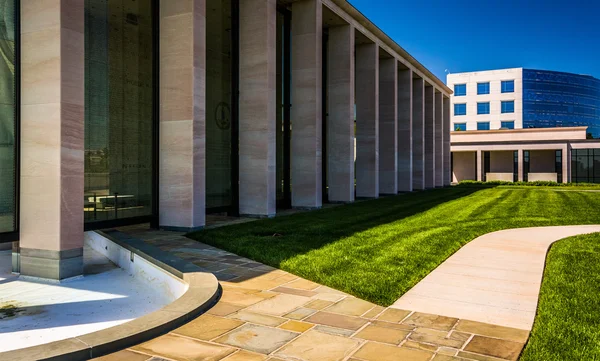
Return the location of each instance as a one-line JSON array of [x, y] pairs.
[[273, 241]]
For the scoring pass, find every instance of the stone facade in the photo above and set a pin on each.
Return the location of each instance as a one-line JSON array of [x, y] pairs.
[[387, 138]]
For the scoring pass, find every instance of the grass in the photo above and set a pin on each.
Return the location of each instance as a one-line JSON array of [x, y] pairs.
[[567, 325], [377, 250]]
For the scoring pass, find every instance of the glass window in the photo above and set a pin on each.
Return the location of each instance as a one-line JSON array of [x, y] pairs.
[[7, 117], [483, 108], [460, 89], [460, 127], [483, 88], [507, 86], [508, 106], [507, 124], [483, 125], [219, 142], [460, 109], [119, 105]]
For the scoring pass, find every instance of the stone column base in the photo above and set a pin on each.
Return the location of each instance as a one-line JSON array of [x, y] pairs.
[[53, 265]]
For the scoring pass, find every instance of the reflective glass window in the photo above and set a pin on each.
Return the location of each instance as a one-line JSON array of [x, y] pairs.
[[460, 109], [219, 142], [460, 90], [507, 86], [119, 103], [483, 125], [555, 99], [507, 106], [7, 117], [507, 124], [460, 126], [483, 88], [483, 108]]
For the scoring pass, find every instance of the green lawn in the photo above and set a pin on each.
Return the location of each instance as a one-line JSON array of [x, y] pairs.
[[567, 325], [379, 249]]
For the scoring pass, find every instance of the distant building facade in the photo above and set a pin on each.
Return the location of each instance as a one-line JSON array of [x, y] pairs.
[[524, 98]]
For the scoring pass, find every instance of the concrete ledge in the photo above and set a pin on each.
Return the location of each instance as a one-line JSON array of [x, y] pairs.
[[203, 292], [181, 229]]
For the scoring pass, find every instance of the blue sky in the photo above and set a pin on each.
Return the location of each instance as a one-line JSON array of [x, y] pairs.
[[465, 35]]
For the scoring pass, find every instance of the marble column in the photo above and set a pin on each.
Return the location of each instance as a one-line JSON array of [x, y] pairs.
[[439, 141], [306, 111], [257, 119], [52, 139], [446, 141], [429, 137], [418, 134], [182, 195], [405, 135], [520, 165], [367, 121], [479, 165], [340, 130], [388, 126]]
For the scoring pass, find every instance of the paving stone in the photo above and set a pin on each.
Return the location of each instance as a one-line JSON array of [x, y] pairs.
[[182, 348], [294, 291], [296, 326], [484, 329], [243, 355], [257, 338], [207, 327], [318, 304], [430, 321], [393, 315], [351, 306], [300, 313], [336, 320], [334, 331], [303, 284], [460, 336], [473, 356], [223, 309], [380, 352], [223, 276], [396, 326], [329, 290], [258, 318], [124, 355], [318, 346], [382, 334], [333, 297], [374, 312], [279, 305], [447, 351], [435, 337], [420, 346], [440, 357], [242, 299], [508, 350]]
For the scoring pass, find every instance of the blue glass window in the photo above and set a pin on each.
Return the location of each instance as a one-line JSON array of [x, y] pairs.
[[507, 86], [507, 106], [483, 88], [460, 109], [460, 126], [508, 124], [483, 125], [483, 108], [460, 89]]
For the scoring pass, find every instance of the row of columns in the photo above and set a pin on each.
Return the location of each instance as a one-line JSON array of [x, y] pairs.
[[402, 141]]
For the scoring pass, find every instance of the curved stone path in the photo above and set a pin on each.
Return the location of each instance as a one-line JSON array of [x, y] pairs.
[[266, 314], [495, 278]]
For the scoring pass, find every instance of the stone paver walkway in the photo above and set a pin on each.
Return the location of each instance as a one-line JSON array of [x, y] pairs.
[[495, 278], [269, 314]]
